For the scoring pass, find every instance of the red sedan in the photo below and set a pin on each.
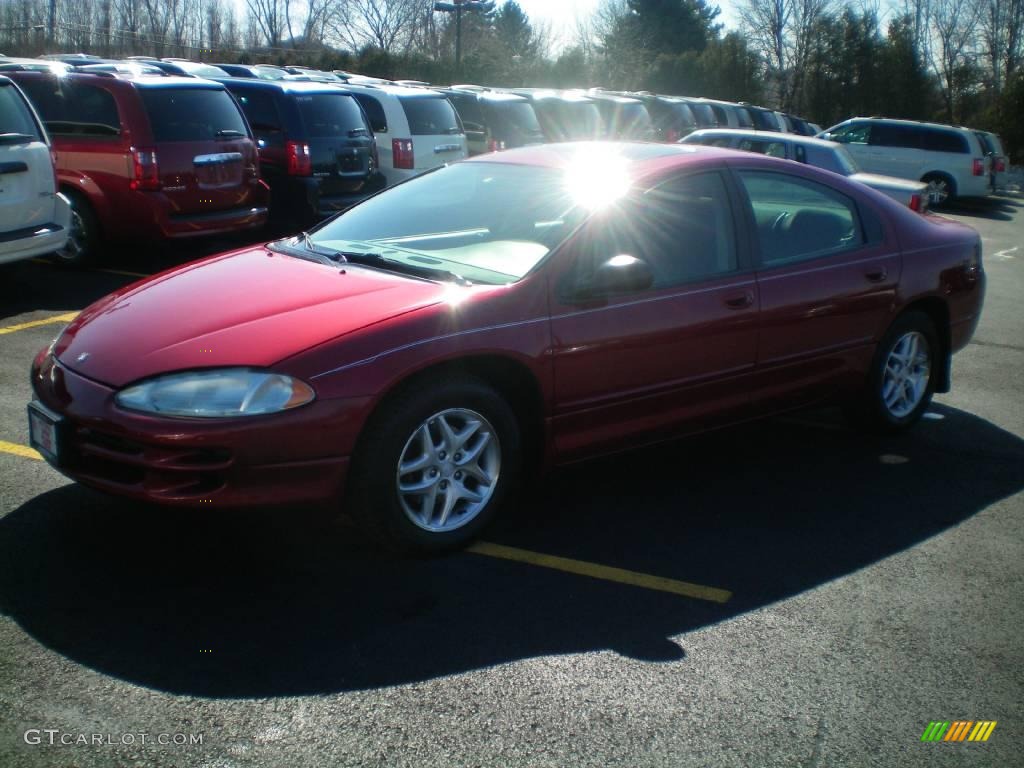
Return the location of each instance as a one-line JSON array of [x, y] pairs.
[[421, 352]]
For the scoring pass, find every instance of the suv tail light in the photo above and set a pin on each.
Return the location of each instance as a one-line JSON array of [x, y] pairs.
[[494, 145], [374, 157], [53, 164], [672, 136], [979, 166], [1001, 165], [145, 172], [915, 203], [300, 162], [401, 150]]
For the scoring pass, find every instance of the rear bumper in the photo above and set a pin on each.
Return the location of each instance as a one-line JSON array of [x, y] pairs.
[[38, 240], [178, 226], [281, 459]]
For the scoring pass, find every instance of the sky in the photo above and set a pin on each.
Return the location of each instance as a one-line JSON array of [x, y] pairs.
[[561, 14]]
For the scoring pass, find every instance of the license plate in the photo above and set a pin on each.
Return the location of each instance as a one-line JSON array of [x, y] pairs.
[[43, 434]]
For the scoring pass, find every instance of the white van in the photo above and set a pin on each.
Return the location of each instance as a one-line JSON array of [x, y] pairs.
[[416, 128], [34, 217], [951, 161]]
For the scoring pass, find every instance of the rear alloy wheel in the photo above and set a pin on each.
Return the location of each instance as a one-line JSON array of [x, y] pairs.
[[940, 189], [435, 465], [902, 378], [83, 236]]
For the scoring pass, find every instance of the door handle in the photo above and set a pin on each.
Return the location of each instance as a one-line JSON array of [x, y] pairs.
[[740, 302], [877, 275]]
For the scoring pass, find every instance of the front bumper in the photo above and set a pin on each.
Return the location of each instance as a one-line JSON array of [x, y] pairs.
[[293, 457], [38, 240]]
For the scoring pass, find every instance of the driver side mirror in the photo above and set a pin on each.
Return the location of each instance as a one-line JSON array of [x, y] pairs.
[[619, 274]]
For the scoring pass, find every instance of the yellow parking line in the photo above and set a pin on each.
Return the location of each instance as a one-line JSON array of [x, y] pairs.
[[20, 450], [67, 317], [604, 572], [578, 567]]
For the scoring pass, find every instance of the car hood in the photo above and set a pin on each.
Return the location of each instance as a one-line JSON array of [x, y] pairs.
[[253, 307], [878, 181]]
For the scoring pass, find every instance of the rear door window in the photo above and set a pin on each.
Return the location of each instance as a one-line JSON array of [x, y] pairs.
[[330, 114], [890, 135], [14, 114], [192, 114], [72, 108], [519, 114], [798, 219], [430, 116]]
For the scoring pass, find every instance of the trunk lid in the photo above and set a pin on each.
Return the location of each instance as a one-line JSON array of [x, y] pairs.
[[205, 157]]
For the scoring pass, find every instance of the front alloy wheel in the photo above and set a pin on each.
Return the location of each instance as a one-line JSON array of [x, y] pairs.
[[448, 470]]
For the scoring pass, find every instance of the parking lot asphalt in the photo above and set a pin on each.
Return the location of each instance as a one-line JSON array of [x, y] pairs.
[[789, 593]]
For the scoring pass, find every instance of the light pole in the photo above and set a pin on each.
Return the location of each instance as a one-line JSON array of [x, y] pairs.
[[457, 7]]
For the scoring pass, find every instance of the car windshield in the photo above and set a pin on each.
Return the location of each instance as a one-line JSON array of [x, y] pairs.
[[486, 222]]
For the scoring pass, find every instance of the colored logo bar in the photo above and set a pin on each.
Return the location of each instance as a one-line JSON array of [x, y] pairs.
[[958, 730]]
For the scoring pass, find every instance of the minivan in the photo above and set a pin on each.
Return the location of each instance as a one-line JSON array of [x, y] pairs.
[[144, 157], [34, 216], [951, 161], [317, 150], [495, 121], [417, 128]]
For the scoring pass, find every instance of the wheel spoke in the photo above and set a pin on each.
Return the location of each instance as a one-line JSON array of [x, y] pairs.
[[451, 497], [418, 487]]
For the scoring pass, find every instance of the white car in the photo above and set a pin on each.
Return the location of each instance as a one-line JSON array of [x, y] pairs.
[[34, 216], [951, 161], [416, 128], [817, 152], [994, 149]]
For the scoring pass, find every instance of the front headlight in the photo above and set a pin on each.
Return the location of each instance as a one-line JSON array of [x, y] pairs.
[[216, 394]]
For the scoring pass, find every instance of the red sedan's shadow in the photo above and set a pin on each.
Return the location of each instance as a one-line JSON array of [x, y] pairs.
[[280, 604]]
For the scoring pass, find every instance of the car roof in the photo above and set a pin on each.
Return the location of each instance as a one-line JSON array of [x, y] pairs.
[[793, 138], [288, 86], [643, 158], [485, 95], [393, 90], [913, 123]]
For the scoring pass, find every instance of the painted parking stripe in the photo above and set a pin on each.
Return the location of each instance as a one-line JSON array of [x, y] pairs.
[[67, 317], [578, 567], [20, 450], [603, 572]]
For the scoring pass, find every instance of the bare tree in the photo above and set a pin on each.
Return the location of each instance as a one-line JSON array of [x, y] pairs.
[[1001, 25], [269, 17], [390, 25], [951, 45], [767, 24]]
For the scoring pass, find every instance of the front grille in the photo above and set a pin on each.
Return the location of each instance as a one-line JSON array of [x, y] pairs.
[[172, 472]]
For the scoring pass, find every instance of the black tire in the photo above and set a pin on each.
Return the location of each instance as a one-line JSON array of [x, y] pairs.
[[872, 410], [941, 189], [374, 502], [82, 249]]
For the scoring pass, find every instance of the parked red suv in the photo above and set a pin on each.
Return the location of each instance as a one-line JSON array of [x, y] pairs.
[[147, 156]]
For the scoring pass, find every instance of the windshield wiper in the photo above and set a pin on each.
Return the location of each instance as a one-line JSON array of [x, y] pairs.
[[228, 133], [379, 260]]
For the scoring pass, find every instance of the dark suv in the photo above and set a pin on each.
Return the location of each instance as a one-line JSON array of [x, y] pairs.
[[317, 151], [143, 157], [495, 121]]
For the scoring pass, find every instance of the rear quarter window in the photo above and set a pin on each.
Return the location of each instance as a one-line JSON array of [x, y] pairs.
[[374, 111], [15, 116], [74, 109], [191, 114], [430, 116], [260, 109]]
